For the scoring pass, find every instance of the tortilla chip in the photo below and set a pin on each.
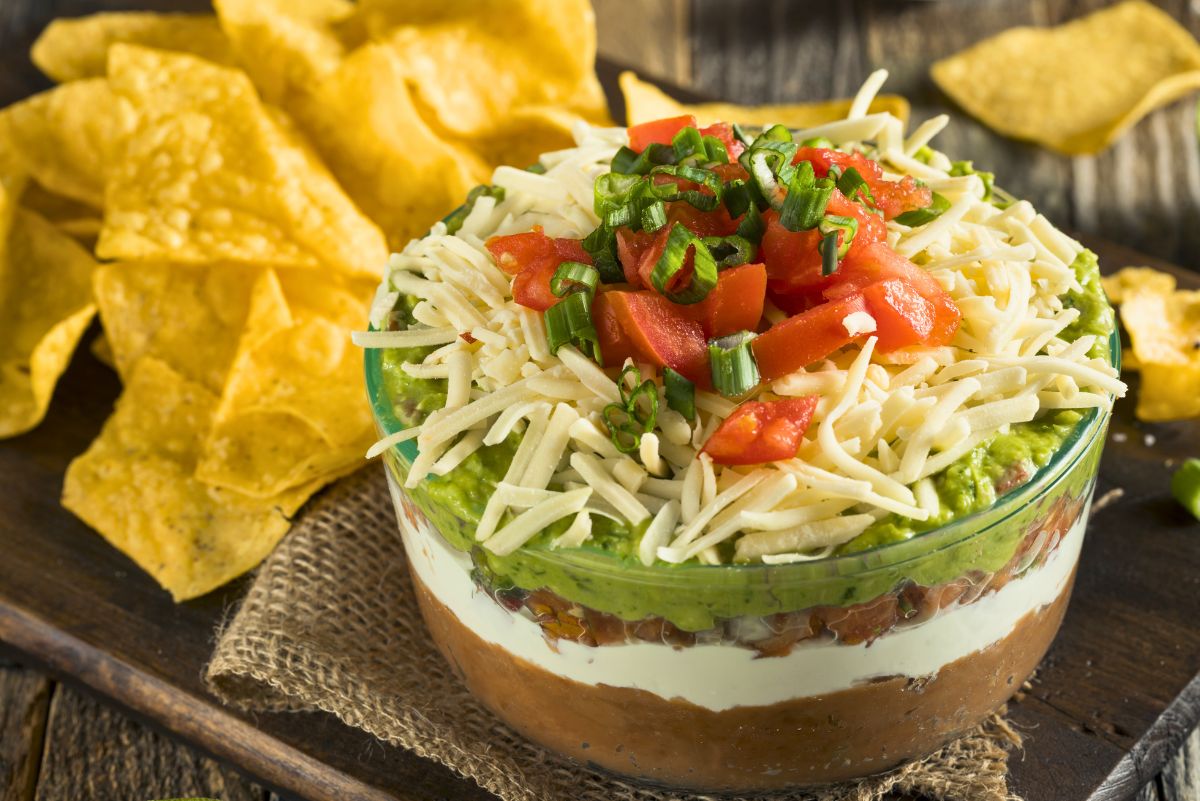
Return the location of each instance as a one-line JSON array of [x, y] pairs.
[[209, 174], [135, 486], [1076, 87], [1164, 330], [285, 45], [292, 407], [645, 101], [471, 62], [66, 137], [398, 171], [1130, 280], [45, 305], [101, 348], [191, 317], [72, 49], [526, 134]]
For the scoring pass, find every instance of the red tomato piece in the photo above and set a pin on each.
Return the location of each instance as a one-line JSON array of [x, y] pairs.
[[879, 262], [735, 303], [902, 316], [724, 132], [793, 260], [658, 131], [801, 340], [659, 334], [533, 257], [630, 247], [702, 223], [893, 198], [762, 431], [615, 345]]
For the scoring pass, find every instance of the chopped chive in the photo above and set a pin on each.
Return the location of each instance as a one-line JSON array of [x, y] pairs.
[[926, 215], [752, 227], [828, 249], [570, 322], [739, 133], [737, 197], [654, 216], [601, 245], [681, 393], [704, 269], [731, 362], [835, 223], [574, 276], [730, 251], [851, 184], [806, 199]]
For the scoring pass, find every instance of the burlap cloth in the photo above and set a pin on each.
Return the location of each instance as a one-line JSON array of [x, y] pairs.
[[330, 623]]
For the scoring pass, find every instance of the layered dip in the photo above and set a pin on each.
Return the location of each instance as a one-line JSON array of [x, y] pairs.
[[736, 460]]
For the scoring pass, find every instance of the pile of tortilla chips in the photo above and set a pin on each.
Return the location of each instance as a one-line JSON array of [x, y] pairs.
[[224, 191], [1077, 87], [1164, 328], [645, 101]]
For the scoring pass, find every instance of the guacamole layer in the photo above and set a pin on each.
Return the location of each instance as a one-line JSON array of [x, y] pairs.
[[607, 576]]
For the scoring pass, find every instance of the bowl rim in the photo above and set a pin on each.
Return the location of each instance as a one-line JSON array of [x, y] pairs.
[[887, 555]]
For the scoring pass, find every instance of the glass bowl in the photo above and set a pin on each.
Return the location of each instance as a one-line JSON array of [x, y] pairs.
[[750, 677]]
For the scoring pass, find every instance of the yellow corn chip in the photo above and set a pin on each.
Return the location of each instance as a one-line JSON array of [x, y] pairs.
[[525, 134], [645, 101], [398, 171], [66, 138], [78, 220], [292, 407], [1077, 87], [285, 45], [192, 317], [135, 486], [71, 49], [471, 62], [1129, 280], [209, 174], [101, 348], [45, 305]]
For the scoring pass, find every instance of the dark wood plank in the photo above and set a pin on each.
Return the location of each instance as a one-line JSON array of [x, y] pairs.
[[24, 706], [93, 751]]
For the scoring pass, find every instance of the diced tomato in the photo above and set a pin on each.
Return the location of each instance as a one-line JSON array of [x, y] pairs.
[[724, 132], [799, 341], [532, 258], [630, 247], [902, 316], [650, 256], [735, 303], [762, 431], [658, 131], [893, 198], [879, 262], [615, 345], [793, 260], [658, 333], [702, 223], [732, 171]]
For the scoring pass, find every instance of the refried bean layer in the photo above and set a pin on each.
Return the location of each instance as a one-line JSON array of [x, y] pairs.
[[842, 735]]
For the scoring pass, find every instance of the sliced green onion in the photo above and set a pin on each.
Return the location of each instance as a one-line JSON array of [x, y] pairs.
[[731, 362], [631, 162], [739, 133], [806, 199], [818, 141], [752, 227], [730, 251], [715, 152], [762, 173], [704, 268], [851, 184], [574, 276], [924, 154], [456, 218], [688, 143], [737, 197], [681, 394], [536, 168], [601, 245], [654, 216], [776, 133], [569, 322], [671, 191], [832, 224], [613, 191], [621, 426], [926, 215], [644, 417], [828, 249]]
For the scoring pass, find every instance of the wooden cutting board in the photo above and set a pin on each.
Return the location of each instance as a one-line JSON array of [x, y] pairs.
[[1113, 699]]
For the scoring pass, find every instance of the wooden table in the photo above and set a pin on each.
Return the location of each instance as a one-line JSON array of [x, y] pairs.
[[58, 743]]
